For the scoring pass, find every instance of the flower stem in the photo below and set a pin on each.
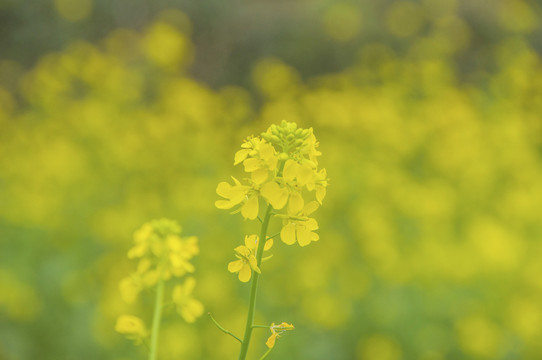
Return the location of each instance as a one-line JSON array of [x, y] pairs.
[[254, 286], [157, 317], [222, 329]]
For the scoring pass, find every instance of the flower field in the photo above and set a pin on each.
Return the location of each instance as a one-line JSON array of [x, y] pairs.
[[428, 242]]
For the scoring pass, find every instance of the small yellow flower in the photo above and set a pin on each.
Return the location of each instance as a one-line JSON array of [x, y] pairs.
[[129, 288], [131, 326], [247, 258], [299, 227], [236, 195], [276, 331], [188, 307]]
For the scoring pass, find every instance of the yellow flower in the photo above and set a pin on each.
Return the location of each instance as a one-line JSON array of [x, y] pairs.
[[258, 157], [129, 289], [247, 258], [188, 307], [236, 195], [131, 326], [276, 331], [162, 254], [300, 227]]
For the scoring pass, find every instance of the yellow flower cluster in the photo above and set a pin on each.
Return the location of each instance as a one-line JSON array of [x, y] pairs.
[[276, 331], [162, 254], [283, 169]]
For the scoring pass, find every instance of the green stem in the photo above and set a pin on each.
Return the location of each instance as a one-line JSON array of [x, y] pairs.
[[157, 317], [222, 329], [266, 353], [254, 286]]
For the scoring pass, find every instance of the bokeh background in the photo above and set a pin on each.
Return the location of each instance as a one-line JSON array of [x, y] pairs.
[[113, 113]]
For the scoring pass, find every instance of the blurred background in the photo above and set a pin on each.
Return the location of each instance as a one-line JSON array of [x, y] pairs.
[[113, 113]]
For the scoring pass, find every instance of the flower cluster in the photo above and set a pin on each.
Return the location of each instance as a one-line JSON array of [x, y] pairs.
[[162, 254], [284, 173], [276, 331]]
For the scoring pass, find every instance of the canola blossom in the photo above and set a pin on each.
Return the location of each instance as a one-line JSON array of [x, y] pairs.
[[246, 255], [162, 255], [283, 168], [276, 332], [283, 174], [132, 327]]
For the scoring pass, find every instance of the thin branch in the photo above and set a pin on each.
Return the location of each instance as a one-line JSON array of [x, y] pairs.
[[266, 353], [270, 237], [260, 326], [222, 329]]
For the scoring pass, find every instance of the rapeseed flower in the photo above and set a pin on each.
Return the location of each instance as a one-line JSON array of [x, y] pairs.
[[188, 307], [132, 327], [283, 168], [247, 258], [276, 331]]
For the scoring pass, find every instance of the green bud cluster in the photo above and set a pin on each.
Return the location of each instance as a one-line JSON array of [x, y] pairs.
[[286, 136]]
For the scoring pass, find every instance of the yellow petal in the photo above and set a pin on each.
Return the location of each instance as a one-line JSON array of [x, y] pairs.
[[272, 163], [223, 189], [290, 170], [245, 273], [235, 266], [311, 224], [287, 234], [137, 251], [303, 236], [251, 208], [240, 156], [305, 175], [266, 151], [320, 193], [251, 164], [311, 207], [130, 325], [254, 264], [191, 310], [271, 341], [129, 290], [274, 194], [251, 241], [243, 251], [295, 204], [177, 294], [223, 204], [268, 245], [238, 193], [314, 236], [259, 175], [189, 285]]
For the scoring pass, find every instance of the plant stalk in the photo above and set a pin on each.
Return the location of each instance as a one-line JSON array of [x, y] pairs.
[[157, 317], [254, 286]]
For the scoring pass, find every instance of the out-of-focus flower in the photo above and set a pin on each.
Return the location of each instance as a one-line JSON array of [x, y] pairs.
[[188, 307], [132, 327]]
